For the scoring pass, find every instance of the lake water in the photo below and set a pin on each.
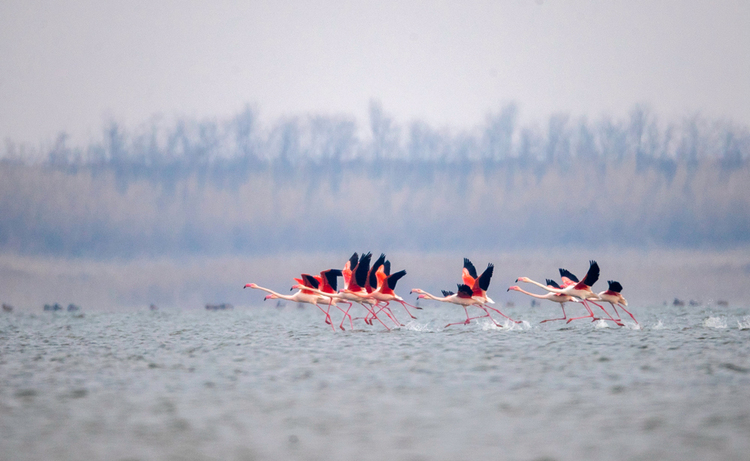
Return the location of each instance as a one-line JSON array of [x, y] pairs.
[[261, 383]]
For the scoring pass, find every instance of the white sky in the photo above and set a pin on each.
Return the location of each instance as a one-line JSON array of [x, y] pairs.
[[70, 66]]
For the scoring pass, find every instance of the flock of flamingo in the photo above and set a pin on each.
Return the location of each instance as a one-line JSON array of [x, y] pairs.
[[371, 285]]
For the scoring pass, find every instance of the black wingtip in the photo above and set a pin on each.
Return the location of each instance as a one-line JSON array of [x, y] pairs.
[[470, 267], [567, 274], [484, 279]]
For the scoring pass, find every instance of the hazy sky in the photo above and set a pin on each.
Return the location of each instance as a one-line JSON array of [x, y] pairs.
[[73, 65]]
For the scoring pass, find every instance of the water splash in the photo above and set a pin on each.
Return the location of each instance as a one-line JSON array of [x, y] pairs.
[[488, 325], [415, 326], [745, 324], [631, 325], [601, 323], [658, 326], [715, 322]]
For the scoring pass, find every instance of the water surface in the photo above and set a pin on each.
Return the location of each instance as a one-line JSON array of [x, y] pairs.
[[262, 383]]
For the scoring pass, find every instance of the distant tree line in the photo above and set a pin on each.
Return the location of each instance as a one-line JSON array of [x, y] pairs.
[[322, 183]]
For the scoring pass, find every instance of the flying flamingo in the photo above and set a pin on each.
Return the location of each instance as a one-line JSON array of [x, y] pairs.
[[555, 297], [304, 295], [613, 297], [480, 284], [470, 278], [462, 298]]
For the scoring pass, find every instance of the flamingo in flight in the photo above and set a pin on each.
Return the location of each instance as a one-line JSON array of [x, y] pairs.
[[463, 298], [613, 296], [304, 295], [555, 297], [480, 284]]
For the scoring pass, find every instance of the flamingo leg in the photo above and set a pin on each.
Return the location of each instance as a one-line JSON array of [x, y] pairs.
[[564, 317], [590, 316], [328, 316], [468, 319], [484, 308], [375, 317], [631, 315], [496, 310], [346, 314], [403, 303], [617, 321], [390, 314]]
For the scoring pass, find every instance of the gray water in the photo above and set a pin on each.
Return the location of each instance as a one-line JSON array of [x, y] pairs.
[[261, 383]]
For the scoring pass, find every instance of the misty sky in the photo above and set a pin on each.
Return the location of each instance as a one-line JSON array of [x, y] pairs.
[[73, 66]]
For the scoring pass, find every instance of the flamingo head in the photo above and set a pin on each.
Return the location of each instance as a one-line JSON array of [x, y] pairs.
[[415, 290], [250, 285], [269, 297], [522, 279], [514, 288]]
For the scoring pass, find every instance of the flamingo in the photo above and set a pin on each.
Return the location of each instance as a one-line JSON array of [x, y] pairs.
[[614, 298], [463, 298], [480, 284], [555, 297], [470, 278], [304, 295]]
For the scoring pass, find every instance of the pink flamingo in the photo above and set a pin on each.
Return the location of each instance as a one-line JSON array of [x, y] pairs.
[[480, 284], [304, 295], [463, 298], [613, 296]]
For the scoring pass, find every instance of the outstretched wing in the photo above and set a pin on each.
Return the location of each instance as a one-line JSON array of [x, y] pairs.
[[372, 278], [470, 268], [331, 276], [310, 281], [363, 268], [393, 278], [553, 284], [447, 293], [592, 275], [484, 279], [566, 274]]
